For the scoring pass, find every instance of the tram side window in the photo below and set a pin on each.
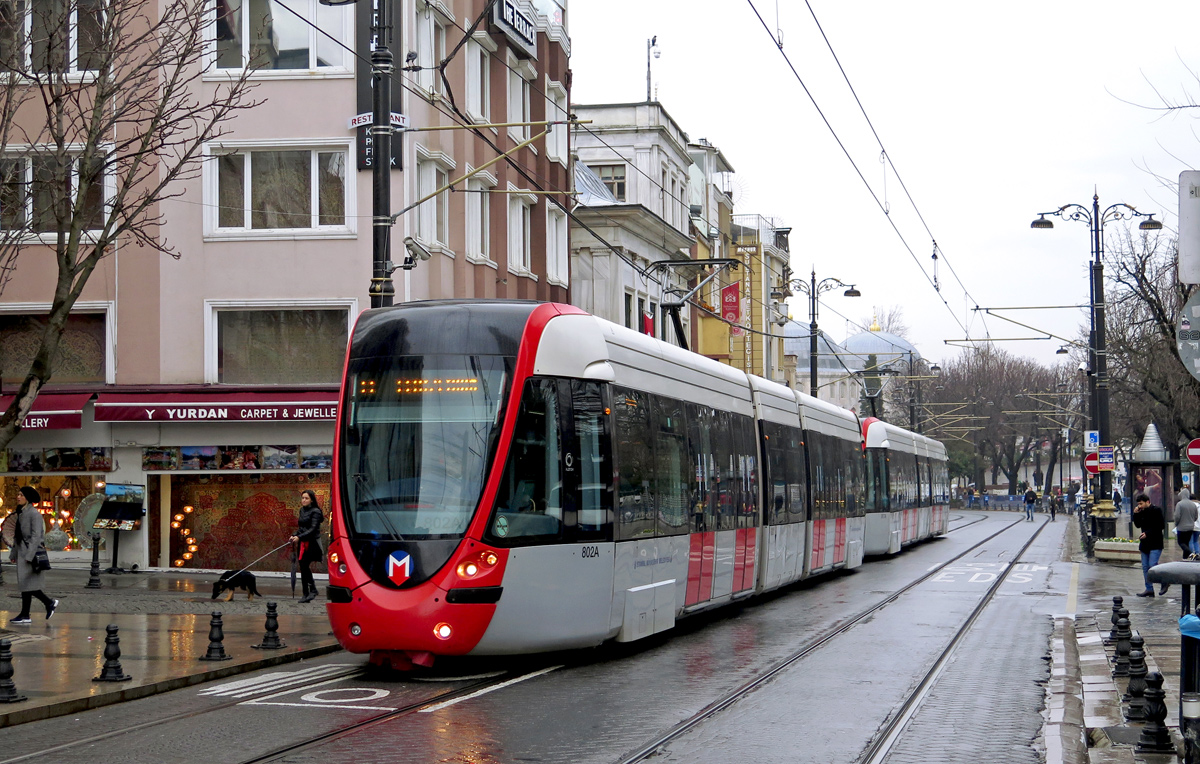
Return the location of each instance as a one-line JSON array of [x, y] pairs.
[[728, 493], [670, 466], [529, 503], [702, 468], [816, 461], [747, 467], [856, 486], [595, 471], [781, 445], [635, 464]]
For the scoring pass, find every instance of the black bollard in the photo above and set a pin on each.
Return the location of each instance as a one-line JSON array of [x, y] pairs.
[[271, 640], [112, 671], [1156, 738], [8, 690], [1136, 692], [1118, 603], [216, 635], [1121, 659], [94, 581]]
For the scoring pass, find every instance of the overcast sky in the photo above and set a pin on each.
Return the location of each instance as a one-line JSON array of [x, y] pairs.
[[990, 113]]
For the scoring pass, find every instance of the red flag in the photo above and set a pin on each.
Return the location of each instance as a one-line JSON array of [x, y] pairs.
[[648, 324], [731, 302]]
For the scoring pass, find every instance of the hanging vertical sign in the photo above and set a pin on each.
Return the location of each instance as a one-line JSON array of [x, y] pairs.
[[1189, 226], [731, 306], [364, 18]]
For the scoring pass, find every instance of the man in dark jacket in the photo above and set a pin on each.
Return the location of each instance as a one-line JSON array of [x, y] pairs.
[[1030, 499], [1150, 519]]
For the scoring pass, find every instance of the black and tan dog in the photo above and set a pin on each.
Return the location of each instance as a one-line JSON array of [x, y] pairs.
[[235, 579]]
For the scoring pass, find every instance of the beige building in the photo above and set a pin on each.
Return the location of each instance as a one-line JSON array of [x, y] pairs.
[[211, 379]]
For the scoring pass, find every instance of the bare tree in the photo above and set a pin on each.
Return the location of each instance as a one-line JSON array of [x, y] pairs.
[[104, 112]]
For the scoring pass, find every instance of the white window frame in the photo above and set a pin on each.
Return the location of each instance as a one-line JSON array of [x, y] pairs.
[[518, 103], [212, 230], [557, 108], [520, 219], [557, 250], [479, 76], [345, 70], [479, 218], [26, 153], [432, 164], [430, 31], [213, 307], [72, 73], [107, 307]]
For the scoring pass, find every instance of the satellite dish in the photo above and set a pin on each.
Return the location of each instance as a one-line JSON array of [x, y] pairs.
[[85, 516]]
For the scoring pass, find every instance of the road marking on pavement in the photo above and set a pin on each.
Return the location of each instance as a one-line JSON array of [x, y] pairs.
[[244, 688], [267, 701], [1073, 588], [486, 690]]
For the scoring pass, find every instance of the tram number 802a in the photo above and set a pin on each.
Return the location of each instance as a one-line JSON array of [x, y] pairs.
[[590, 551]]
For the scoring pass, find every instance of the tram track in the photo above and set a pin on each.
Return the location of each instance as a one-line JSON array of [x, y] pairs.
[[890, 732]]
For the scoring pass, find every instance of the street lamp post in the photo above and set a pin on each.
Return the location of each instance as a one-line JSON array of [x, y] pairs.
[[651, 45], [1102, 506], [814, 290]]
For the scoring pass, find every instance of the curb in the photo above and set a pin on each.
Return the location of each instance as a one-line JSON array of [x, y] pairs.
[[120, 695], [1064, 733]]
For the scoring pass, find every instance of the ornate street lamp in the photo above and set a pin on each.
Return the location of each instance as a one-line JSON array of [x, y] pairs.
[[814, 290], [1102, 506]]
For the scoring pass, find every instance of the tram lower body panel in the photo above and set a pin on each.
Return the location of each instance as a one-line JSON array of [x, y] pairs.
[[783, 556], [835, 543], [883, 533]]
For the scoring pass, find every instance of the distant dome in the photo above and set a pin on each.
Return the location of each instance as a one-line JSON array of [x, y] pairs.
[[830, 355], [885, 346]]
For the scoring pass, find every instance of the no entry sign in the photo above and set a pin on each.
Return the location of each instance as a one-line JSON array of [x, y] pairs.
[[1193, 451], [1091, 463]]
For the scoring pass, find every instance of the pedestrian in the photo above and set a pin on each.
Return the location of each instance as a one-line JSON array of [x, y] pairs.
[[1030, 498], [1150, 519], [29, 533], [308, 535], [1072, 489], [1185, 523], [970, 496], [1055, 504], [1117, 500], [985, 499]]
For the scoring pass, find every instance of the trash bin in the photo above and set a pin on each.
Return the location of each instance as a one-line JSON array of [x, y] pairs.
[[1186, 575]]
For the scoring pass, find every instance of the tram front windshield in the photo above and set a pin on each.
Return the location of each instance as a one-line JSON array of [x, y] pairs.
[[418, 435]]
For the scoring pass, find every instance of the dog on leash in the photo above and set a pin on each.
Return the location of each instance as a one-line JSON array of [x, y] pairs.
[[234, 579]]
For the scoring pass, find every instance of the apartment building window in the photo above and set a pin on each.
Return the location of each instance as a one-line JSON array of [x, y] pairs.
[[433, 216], [518, 100], [556, 108], [282, 188], [520, 229], [431, 48], [280, 346], [82, 352], [653, 316], [479, 89], [479, 210], [51, 36], [629, 311], [613, 176], [33, 188], [267, 35], [557, 255]]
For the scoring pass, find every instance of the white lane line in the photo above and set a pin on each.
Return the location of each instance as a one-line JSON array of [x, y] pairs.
[[277, 680], [260, 701], [486, 690]]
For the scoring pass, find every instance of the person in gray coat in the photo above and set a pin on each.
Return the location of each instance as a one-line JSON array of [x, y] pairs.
[[1185, 524], [30, 532]]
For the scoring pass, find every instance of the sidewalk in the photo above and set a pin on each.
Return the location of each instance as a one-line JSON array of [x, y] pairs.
[[164, 619]]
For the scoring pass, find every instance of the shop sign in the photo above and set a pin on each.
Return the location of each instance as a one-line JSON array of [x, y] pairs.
[[249, 408], [516, 25]]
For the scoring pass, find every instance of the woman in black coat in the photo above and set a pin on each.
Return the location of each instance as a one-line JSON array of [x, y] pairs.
[[308, 534], [30, 532]]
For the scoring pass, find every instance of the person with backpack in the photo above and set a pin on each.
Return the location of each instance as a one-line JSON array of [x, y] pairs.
[[1030, 500]]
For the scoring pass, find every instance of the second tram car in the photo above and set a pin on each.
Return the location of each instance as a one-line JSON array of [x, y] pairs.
[[517, 477], [908, 487]]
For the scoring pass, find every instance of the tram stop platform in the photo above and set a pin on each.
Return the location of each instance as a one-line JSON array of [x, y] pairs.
[[164, 620], [1085, 704]]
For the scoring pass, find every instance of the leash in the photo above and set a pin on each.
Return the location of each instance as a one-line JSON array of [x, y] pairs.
[[273, 551]]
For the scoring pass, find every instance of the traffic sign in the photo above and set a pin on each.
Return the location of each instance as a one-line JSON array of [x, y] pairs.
[[1091, 440], [1187, 335], [1091, 463], [1193, 451], [1106, 458]]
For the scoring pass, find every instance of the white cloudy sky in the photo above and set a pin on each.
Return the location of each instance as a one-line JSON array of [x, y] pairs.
[[991, 112]]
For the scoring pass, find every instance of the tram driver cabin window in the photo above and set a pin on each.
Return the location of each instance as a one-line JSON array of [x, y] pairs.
[[281, 347]]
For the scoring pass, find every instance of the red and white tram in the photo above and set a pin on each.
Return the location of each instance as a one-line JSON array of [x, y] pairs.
[[517, 477], [908, 487]]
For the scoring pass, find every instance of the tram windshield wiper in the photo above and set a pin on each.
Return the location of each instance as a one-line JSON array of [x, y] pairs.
[[360, 482]]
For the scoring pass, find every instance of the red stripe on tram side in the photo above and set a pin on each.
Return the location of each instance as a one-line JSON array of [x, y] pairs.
[[818, 546], [707, 558], [748, 573], [695, 562], [839, 540], [739, 557]]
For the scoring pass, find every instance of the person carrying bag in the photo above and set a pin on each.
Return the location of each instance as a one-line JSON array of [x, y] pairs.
[[29, 553]]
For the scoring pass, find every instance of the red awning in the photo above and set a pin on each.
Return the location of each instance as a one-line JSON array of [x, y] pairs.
[[258, 406], [53, 411]]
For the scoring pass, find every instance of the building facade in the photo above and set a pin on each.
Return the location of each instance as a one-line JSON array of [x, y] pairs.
[[211, 379]]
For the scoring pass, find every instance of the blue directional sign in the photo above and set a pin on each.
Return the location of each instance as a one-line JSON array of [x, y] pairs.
[[1107, 457], [1091, 441]]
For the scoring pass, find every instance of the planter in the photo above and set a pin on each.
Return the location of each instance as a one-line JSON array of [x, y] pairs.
[[1120, 551]]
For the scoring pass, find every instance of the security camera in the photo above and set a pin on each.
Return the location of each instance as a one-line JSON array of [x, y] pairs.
[[415, 250], [1083, 366]]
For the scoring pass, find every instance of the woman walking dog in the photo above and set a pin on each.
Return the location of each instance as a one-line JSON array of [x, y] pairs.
[[308, 534], [30, 532]]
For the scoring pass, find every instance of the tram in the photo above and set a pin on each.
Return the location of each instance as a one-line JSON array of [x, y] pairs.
[[516, 477], [907, 487]]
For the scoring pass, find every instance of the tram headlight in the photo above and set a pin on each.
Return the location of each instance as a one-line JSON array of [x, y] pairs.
[[355, 630], [442, 631], [342, 569], [490, 559], [468, 570]]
